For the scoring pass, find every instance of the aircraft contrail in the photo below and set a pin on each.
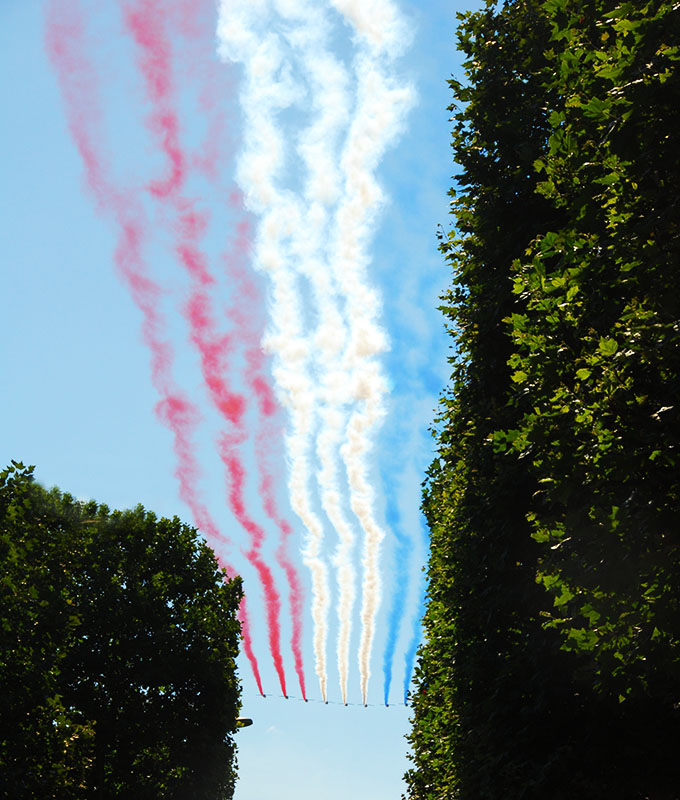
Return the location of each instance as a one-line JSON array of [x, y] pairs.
[[330, 378], [316, 125], [345, 341], [147, 23], [329, 104], [247, 312], [268, 89], [269, 431], [381, 105], [76, 74], [269, 427]]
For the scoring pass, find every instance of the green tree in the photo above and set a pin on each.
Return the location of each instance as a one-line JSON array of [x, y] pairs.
[[117, 652], [563, 250], [597, 350], [489, 673]]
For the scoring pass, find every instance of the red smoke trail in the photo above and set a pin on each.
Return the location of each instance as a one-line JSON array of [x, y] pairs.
[[195, 21], [64, 39], [196, 24], [269, 430], [155, 59], [146, 25], [231, 406], [256, 533]]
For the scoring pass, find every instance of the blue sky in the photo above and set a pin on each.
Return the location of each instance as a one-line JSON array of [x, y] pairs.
[[78, 399]]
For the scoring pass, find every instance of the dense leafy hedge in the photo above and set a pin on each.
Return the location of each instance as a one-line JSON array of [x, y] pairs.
[[558, 437], [118, 639], [598, 346]]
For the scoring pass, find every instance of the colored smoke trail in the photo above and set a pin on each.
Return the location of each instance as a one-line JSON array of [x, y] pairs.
[[378, 117], [403, 500], [236, 476], [231, 407], [318, 149], [341, 345], [402, 559], [268, 88], [283, 559], [250, 326], [312, 243], [329, 379], [76, 76], [148, 28], [268, 428], [417, 632], [318, 144], [244, 317]]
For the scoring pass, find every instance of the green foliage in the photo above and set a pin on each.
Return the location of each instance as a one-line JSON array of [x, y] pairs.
[[598, 349], [118, 639], [550, 667]]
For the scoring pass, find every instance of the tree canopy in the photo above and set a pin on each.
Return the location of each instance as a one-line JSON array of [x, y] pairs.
[[550, 666], [118, 639]]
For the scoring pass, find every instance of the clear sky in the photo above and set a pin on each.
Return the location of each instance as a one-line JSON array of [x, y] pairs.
[[78, 393]]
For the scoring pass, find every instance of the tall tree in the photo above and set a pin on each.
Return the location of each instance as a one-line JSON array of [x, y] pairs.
[[513, 699], [481, 683], [597, 350], [118, 639]]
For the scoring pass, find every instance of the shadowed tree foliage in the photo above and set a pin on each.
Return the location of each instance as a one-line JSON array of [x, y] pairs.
[[118, 639], [597, 349], [558, 436]]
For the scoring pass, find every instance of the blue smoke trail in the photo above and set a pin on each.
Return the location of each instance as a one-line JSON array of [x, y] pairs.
[[402, 558], [412, 649]]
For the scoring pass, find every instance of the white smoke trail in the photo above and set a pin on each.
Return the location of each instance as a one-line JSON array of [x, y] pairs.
[[319, 151], [381, 107], [269, 88], [329, 380], [377, 23], [349, 375]]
